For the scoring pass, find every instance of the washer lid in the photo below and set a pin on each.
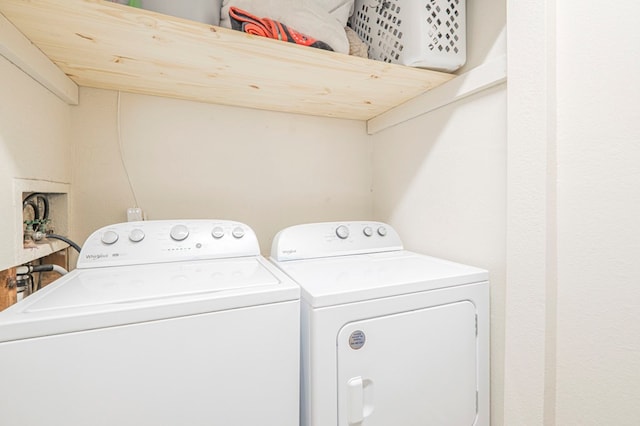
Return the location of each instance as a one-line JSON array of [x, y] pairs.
[[105, 297], [346, 279]]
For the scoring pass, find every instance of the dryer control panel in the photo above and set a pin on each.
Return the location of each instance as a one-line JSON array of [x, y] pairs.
[[136, 243], [329, 239]]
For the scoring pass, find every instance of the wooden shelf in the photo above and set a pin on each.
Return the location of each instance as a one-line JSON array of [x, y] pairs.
[[106, 45]]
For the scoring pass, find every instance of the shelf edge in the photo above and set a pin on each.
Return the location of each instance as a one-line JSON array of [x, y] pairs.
[[41, 250], [19, 50], [481, 78]]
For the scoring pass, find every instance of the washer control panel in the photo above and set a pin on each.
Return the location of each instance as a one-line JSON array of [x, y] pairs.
[[134, 243], [334, 239]]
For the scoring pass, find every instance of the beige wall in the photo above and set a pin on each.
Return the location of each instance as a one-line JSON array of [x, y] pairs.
[[440, 181], [192, 160], [34, 147]]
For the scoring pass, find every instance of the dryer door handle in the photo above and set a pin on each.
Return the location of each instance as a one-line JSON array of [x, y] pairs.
[[359, 400]]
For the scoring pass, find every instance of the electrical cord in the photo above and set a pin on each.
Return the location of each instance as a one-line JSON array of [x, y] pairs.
[[65, 239], [121, 150]]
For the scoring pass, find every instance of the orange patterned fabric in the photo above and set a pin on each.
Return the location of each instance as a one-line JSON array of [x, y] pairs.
[[242, 20]]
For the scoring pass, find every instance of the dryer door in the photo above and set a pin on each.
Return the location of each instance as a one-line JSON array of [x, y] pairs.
[[414, 368]]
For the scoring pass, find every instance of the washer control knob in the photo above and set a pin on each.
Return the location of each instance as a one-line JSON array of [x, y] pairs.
[[367, 231], [109, 237], [136, 235], [342, 232], [179, 232], [217, 232], [238, 232], [382, 231]]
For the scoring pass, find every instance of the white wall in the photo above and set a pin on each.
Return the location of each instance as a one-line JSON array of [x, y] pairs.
[[531, 242], [34, 145], [193, 160], [598, 305], [573, 334], [485, 31]]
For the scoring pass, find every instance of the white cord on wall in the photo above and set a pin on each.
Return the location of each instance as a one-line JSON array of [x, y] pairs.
[[122, 159]]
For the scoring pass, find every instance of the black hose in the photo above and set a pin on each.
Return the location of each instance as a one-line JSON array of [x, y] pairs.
[[39, 197], [42, 268], [65, 239], [34, 207]]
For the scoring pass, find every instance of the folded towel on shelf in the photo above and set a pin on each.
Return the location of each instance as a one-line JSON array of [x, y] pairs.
[[319, 19], [242, 20], [357, 47]]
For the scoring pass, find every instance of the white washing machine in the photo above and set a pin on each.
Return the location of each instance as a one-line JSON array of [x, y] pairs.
[[389, 337], [162, 323]]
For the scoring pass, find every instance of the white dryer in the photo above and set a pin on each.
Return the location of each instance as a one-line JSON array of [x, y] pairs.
[[389, 337], [167, 323]]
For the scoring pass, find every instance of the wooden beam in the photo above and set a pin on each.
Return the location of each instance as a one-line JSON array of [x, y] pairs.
[[22, 53], [7, 288]]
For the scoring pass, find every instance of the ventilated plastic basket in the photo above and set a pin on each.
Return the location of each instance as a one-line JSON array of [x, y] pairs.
[[417, 33]]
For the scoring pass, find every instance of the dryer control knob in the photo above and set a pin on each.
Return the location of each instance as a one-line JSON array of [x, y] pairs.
[[367, 231], [342, 232], [136, 235], [217, 232], [109, 237], [382, 231], [238, 232], [179, 232]]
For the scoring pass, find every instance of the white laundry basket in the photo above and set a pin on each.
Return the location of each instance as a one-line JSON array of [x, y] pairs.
[[417, 33]]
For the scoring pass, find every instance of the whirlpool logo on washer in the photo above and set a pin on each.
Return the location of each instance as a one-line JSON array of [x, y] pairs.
[[96, 256], [289, 251]]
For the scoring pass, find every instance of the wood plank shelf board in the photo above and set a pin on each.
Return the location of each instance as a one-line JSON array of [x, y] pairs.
[[107, 45]]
